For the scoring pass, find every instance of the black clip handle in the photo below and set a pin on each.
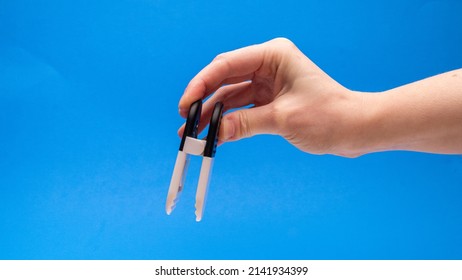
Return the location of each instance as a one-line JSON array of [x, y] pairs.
[[214, 129], [192, 123]]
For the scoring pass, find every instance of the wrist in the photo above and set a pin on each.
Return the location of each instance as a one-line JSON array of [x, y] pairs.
[[362, 117], [380, 124]]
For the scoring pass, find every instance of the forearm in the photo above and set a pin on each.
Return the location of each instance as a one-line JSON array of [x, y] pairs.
[[422, 116]]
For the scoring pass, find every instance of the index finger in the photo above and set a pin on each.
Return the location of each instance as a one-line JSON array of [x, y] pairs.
[[230, 67]]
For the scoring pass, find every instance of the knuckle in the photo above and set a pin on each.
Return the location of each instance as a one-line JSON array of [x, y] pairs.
[[244, 125], [281, 119], [222, 60], [283, 42], [220, 57]]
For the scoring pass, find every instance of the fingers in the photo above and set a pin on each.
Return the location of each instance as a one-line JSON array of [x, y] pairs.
[[231, 67], [246, 123], [267, 62], [232, 96]]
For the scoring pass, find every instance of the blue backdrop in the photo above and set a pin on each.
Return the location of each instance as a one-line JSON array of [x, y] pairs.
[[88, 121]]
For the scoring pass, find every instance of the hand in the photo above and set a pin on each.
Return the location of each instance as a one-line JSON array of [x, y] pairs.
[[292, 98], [295, 99]]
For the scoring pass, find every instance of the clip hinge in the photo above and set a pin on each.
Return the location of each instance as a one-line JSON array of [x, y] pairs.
[[194, 146]]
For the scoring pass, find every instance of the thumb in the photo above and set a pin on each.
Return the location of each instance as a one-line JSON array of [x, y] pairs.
[[247, 123]]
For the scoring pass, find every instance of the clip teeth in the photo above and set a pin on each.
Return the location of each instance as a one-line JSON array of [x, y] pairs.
[[169, 208], [199, 207], [171, 204]]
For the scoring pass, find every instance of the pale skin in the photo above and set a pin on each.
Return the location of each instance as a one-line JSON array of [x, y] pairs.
[[295, 99]]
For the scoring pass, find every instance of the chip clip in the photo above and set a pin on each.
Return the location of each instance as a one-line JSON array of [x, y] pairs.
[[190, 145]]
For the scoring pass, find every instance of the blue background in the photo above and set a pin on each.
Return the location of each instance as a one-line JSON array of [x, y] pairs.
[[88, 121]]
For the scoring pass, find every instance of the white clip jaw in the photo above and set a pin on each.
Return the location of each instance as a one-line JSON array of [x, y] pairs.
[[193, 146], [203, 186], [196, 147], [177, 181]]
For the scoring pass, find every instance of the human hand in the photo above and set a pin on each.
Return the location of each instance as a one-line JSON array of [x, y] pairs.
[[292, 98]]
